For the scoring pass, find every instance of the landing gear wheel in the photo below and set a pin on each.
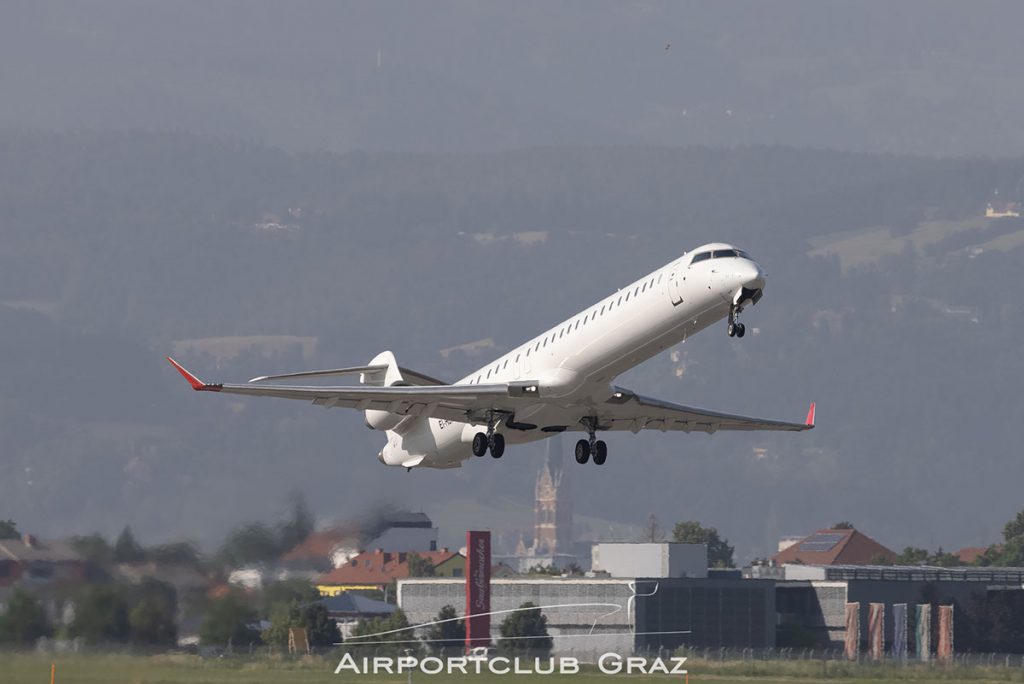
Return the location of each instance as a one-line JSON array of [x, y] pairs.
[[600, 452], [741, 330], [497, 445], [479, 444], [582, 451], [731, 329]]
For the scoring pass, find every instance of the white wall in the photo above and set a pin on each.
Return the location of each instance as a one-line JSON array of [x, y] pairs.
[[651, 560]]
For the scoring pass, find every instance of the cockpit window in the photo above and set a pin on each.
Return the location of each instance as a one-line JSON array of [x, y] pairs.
[[703, 256], [723, 253]]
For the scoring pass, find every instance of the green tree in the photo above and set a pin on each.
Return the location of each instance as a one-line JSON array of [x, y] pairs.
[[1014, 529], [912, 555], [419, 566], [9, 530], [944, 560], [152, 622], [101, 614], [126, 549], [446, 638], [287, 592], [525, 631], [692, 532], [392, 630], [228, 622], [321, 628], [843, 525], [24, 621], [1011, 552], [93, 547]]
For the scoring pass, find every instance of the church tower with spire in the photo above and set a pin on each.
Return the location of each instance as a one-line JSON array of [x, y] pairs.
[[552, 510]]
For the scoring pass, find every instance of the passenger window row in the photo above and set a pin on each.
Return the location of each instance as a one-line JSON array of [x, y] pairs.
[[570, 327]]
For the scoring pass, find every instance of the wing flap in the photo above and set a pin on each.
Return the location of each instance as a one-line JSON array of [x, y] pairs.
[[626, 410]]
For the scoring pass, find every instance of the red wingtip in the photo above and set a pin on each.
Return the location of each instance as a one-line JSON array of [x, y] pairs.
[[196, 383], [810, 416]]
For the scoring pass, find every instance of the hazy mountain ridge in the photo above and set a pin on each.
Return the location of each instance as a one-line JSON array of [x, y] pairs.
[[133, 241]]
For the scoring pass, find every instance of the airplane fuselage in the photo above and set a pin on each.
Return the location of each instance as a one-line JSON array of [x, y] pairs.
[[577, 359]]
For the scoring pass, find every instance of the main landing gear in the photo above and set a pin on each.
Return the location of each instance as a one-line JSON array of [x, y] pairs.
[[735, 328], [585, 448], [493, 441]]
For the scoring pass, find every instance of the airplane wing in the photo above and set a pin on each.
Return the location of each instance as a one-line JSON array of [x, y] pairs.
[[623, 410], [626, 410], [452, 402]]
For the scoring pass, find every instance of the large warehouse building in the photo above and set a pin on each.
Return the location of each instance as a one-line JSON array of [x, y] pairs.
[[623, 615], [659, 597]]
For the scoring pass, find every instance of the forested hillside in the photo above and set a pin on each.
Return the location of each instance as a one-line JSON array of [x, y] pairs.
[[890, 302]]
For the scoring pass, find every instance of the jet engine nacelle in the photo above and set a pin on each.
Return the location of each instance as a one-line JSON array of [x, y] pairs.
[[386, 377], [382, 420]]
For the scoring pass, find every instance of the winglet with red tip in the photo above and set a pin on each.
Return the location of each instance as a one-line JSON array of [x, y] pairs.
[[197, 384], [810, 415]]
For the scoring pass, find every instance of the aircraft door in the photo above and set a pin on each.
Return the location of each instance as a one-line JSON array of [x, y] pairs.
[[675, 290]]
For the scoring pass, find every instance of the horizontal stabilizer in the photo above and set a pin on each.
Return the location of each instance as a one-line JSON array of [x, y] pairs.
[[351, 370], [410, 376]]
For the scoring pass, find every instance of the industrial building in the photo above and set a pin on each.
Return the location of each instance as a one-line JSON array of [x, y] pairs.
[[802, 606], [597, 615]]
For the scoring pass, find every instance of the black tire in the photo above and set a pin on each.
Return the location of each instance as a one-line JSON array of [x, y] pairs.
[[731, 330], [741, 330], [600, 452], [498, 445], [582, 451], [479, 444]]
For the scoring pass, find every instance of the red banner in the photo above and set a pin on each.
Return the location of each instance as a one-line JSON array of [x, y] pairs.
[[945, 647], [852, 638], [478, 589]]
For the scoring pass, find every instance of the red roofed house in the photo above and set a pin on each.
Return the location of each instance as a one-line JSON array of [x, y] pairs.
[[835, 547], [377, 569], [323, 550], [969, 554], [32, 563]]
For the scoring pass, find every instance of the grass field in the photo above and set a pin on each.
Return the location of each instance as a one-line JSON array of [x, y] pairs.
[[170, 669]]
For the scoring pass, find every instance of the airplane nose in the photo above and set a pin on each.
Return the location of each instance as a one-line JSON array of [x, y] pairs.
[[749, 282], [750, 275]]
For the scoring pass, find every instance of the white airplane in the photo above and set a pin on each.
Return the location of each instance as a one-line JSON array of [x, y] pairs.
[[557, 381]]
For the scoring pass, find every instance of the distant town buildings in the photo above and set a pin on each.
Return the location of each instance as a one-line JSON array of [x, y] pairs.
[[999, 209]]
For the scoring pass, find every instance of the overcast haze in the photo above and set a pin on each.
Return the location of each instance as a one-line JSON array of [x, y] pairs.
[[269, 187]]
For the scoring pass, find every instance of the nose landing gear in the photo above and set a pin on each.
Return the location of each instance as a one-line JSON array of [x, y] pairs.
[[735, 328]]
